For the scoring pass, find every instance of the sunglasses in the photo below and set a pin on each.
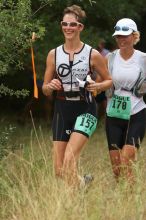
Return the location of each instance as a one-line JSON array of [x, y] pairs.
[[70, 24], [124, 28]]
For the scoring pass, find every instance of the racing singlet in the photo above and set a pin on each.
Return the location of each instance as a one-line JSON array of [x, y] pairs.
[[68, 72]]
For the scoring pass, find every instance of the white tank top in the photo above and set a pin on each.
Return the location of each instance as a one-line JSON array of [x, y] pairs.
[[68, 71], [125, 74]]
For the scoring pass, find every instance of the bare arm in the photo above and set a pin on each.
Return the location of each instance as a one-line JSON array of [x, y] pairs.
[[50, 83], [103, 80]]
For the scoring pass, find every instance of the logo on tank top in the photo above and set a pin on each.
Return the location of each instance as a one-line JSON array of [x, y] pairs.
[[64, 69], [68, 132], [83, 58]]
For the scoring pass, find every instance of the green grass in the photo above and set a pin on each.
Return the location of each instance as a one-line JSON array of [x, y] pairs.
[[30, 191]]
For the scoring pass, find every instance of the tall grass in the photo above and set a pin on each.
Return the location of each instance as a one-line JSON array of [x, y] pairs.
[[30, 191]]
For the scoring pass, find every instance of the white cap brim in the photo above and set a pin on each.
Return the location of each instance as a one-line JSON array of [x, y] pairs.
[[124, 33]]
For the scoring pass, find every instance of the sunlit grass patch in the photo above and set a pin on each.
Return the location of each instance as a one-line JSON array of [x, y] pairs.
[[29, 189]]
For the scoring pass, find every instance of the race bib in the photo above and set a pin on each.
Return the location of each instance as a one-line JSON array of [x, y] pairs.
[[120, 107], [86, 123]]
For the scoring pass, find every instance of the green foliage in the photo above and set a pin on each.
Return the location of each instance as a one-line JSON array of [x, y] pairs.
[[13, 25], [19, 18], [101, 18], [5, 136], [4, 90], [16, 28]]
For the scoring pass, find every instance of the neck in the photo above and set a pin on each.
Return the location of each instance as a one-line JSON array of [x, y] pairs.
[[126, 54], [73, 46]]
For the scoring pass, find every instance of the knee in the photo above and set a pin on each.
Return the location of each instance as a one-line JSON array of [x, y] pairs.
[[129, 152]]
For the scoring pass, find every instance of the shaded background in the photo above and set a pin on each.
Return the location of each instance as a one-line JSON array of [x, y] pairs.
[[19, 18]]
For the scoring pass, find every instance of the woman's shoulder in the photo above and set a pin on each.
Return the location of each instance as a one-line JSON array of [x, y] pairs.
[[53, 51], [87, 47], [112, 53], [141, 58], [110, 57], [140, 53]]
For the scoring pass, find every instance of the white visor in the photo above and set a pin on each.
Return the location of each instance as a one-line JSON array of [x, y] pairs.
[[125, 33]]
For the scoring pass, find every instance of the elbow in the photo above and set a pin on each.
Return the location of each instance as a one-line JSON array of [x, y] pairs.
[[110, 84]]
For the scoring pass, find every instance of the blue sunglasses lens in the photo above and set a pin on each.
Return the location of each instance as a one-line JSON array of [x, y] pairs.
[[124, 28]]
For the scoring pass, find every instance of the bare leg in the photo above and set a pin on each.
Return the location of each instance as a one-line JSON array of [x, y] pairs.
[[128, 156], [59, 148], [115, 156], [72, 153]]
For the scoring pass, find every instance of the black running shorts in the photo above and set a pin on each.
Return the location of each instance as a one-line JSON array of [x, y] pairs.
[[120, 132], [65, 115]]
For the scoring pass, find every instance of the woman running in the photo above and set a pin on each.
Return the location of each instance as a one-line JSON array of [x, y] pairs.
[[126, 120], [75, 117]]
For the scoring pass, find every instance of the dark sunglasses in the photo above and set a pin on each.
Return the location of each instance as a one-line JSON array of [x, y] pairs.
[[124, 28], [70, 24]]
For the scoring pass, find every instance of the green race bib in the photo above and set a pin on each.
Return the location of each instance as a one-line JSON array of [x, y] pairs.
[[86, 123], [120, 107]]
